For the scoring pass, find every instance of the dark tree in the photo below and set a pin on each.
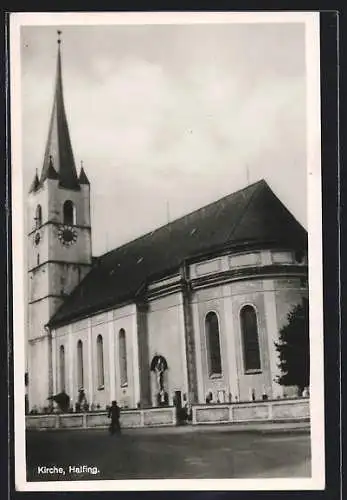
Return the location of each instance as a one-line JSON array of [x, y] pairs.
[[294, 348]]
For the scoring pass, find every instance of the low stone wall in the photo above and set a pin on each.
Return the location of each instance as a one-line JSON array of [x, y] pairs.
[[128, 419], [264, 411]]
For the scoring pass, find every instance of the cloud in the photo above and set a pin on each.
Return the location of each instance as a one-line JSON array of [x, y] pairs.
[[161, 119]]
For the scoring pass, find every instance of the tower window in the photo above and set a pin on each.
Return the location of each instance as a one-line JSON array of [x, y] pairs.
[[38, 216], [213, 344], [62, 367], [69, 213], [250, 338], [100, 361], [123, 358], [80, 364]]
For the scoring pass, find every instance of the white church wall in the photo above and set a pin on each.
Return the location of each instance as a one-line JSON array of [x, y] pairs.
[[209, 266], [80, 335], [272, 299], [205, 301], [230, 346], [100, 392], [38, 389], [166, 337], [60, 339], [245, 260], [259, 381], [226, 301], [127, 394], [68, 336], [272, 329], [197, 342], [107, 325]]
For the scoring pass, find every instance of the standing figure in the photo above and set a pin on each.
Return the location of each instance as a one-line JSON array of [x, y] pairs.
[[159, 369], [159, 366], [82, 398], [114, 414]]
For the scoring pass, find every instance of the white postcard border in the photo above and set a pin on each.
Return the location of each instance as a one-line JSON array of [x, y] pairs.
[[311, 20]]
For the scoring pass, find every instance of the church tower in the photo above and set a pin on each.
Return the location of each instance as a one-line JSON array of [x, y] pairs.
[[59, 241]]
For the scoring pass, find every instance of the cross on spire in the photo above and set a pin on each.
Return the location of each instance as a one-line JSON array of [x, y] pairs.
[[59, 39]]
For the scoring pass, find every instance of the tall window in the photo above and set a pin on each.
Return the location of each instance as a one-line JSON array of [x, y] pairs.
[[123, 357], [62, 368], [69, 213], [213, 344], [79, 364], [250, 338], [38, 216], [100, 361]]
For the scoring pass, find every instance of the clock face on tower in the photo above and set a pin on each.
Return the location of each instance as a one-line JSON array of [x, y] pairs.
[[67, 235]]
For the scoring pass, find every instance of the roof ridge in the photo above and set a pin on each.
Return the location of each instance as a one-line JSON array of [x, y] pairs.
[[260, 182]]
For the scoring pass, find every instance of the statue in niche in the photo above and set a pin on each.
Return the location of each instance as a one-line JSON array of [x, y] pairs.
[[159, 366]]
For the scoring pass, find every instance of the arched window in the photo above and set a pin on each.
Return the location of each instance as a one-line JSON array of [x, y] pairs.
[[69, 213], [250, 338], [62, 368], [213, 344], [38, 216], [123, 358], [100, 361], [79, 364]]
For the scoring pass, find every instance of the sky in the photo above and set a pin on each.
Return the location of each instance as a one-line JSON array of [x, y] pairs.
[[167, 119]]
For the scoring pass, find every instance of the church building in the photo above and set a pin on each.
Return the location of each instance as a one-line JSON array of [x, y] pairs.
[[190, 311]]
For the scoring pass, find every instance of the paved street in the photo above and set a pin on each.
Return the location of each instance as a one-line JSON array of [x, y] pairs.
[[168, 453]]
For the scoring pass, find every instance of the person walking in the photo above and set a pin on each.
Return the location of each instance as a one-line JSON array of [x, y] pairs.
[[114, 415]]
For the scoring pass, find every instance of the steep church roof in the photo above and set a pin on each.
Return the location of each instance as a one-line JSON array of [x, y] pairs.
[[58, 150], [248, 218]]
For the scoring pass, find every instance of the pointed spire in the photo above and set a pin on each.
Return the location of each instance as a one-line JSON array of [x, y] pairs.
[[35, 183], [58, 153], [83, 179]]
